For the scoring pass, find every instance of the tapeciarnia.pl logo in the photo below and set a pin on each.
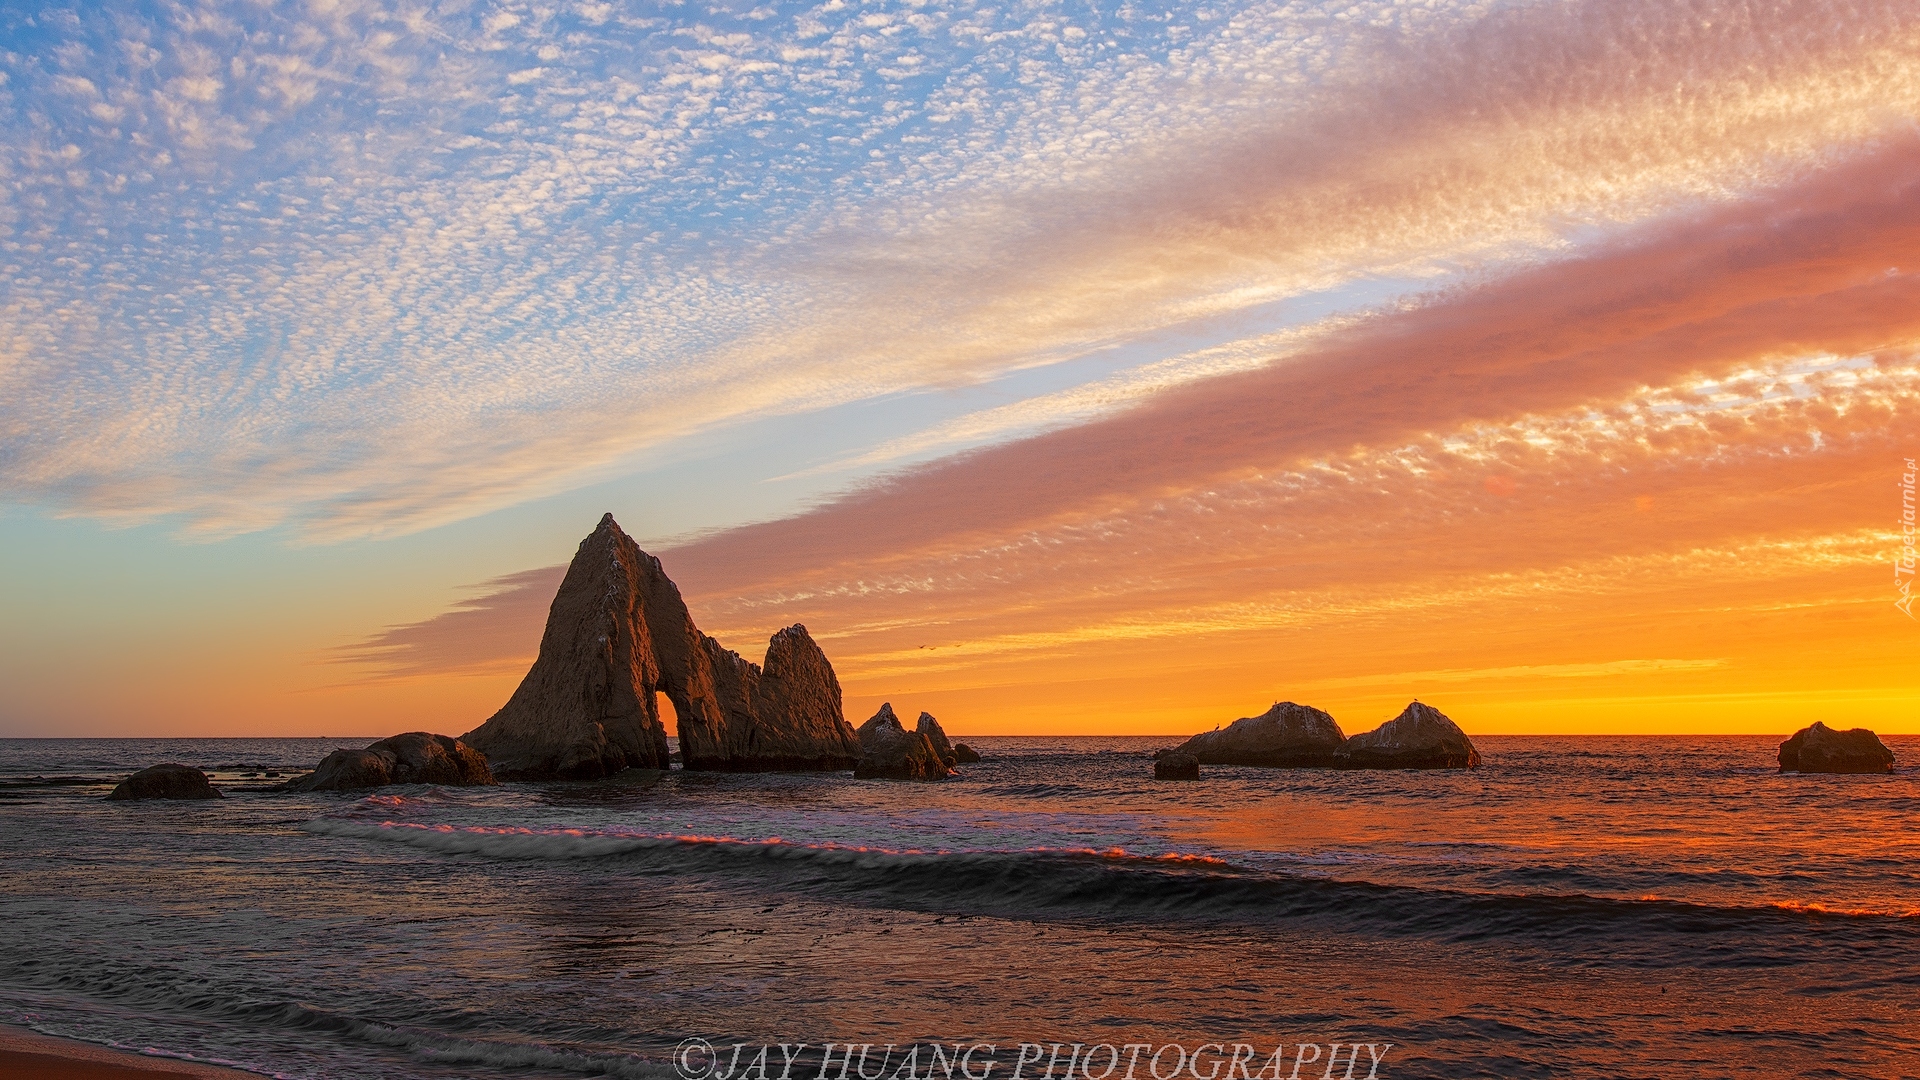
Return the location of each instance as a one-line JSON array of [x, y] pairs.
[[698, 1059]]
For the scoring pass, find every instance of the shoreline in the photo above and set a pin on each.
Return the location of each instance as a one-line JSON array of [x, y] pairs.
[[25, 1052]]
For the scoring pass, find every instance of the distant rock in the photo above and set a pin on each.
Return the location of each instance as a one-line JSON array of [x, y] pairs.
[[618, 634], [930, 727], [417, 757], [1818, 748], [1421, 737], [168, 781], [1285, 736], [964, 754], [1175, 765], [888, 751]]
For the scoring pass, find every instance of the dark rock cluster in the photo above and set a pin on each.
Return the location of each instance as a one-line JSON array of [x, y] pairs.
[[618, 634], [1290, 736], [888, 751]]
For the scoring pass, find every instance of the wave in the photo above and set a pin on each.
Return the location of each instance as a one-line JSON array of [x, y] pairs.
[[1118, 884], [155, 988]]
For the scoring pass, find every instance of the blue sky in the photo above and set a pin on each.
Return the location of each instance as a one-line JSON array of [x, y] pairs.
[[343, 306]]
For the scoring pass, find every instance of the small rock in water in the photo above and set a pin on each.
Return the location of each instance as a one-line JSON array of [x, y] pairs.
[[1818, 748], [417, 757], [964, 754], [888, 751], [1287, 736], [1175, 765], [936, 735], [1421, 737], [169, 781]]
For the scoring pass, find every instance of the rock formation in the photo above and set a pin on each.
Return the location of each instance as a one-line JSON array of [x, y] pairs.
[[1421, 737], [1285, 736], [167, 781], [1175, 764], [416, 757], [1818, 748], [785, 715], [937, 738], [618, 634], [889, 751], [964, 754], [586, 708]]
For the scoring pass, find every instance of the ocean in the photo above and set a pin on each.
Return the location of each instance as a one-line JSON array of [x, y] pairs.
[[1578, 907]]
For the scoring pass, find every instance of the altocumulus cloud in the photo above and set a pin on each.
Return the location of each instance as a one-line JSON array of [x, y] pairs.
[[357, 271]]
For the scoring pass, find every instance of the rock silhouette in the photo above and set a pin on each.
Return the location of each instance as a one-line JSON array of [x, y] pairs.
[[618, 634], [1818, 748], [964, 754], [169, 781], [1285, 736], [937, 738], [417, 757], [1175, 765], [1421, 737], [888, 751], [1291, 736], [783, 716]]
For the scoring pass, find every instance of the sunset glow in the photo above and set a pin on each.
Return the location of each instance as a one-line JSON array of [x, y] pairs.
[[1065, 371]]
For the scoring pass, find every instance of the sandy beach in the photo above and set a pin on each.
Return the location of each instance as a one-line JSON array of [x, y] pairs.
[[26, 1053]]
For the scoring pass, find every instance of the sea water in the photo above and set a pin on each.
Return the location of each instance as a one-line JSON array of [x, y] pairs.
[[1604, 907]]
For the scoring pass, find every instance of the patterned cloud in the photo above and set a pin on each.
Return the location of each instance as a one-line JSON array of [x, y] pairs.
[[353, 270]]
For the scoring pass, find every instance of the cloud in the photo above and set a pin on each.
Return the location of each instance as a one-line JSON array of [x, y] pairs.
[[340, 272], [496, 631], [1803, 273], [1677, 443]]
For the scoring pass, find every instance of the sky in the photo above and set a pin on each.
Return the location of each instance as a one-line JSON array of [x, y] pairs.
[[1066, 368]]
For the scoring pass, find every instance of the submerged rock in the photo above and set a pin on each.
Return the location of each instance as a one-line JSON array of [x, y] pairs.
[[618, 634], [169, 781], [1421, 737], [937, 737], [1285, 736], [417, 757], [964, 754], [1175, 765], [1818, 748], [888, 751]]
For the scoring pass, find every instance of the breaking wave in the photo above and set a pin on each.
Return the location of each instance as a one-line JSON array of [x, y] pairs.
[[1118, 884]]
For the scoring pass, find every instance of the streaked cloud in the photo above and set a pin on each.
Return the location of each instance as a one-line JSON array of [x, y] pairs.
[[359, 271]]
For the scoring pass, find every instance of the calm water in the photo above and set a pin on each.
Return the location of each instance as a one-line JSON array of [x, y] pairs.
[[1579, 907]]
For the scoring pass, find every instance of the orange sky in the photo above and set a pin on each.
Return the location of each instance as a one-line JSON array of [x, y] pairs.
[[1555, 363], [1654, 489]]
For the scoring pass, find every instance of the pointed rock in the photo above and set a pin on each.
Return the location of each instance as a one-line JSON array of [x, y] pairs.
[[1421, 737], [889, 751], [1285, 736], [801, 721], [930, 727], [1818, 748], [586, 708], [618, 634]]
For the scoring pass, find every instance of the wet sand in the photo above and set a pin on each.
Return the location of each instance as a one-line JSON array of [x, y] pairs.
[[26, 1054]]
